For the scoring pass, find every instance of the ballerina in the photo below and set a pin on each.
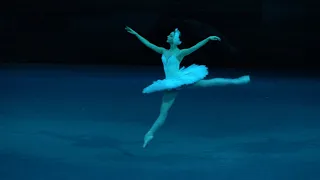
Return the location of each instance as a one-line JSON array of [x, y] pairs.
[[176, 77]]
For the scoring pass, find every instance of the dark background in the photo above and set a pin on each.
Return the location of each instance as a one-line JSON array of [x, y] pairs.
[[264, 33]]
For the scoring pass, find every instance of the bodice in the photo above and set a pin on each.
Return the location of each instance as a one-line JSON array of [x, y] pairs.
[[171, 66]]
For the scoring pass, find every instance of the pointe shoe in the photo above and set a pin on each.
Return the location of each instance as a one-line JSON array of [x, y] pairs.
[[147, 138], [243, 80]]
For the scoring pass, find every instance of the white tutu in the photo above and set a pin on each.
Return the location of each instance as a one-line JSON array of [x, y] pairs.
[[185, 76]]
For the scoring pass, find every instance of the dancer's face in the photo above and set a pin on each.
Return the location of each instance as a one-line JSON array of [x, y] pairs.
[[170, 38]]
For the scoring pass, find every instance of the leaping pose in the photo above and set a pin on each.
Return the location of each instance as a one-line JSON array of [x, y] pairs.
[[176, 77]]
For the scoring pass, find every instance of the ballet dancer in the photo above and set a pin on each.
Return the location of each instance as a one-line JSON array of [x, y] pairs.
[[176, 77]]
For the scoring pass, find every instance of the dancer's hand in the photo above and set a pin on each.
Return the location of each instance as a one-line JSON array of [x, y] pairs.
[[214, 38], [131, 31]]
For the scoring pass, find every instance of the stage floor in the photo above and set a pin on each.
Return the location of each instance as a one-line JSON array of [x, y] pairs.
[[80, 123]]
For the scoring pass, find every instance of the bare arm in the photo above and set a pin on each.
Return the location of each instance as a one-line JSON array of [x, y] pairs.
[[144, 41], [155, 48], [186, 52]]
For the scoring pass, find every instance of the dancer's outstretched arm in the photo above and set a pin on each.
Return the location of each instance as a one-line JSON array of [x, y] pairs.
[[144, 41], [186, 52]]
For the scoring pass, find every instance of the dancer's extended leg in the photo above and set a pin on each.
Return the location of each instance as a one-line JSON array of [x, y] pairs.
[[167, 101], [222, 81]]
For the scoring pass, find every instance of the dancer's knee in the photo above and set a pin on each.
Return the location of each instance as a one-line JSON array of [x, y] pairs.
[[164, 112]]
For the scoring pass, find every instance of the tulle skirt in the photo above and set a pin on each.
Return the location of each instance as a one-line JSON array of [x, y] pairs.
[[185, 76]]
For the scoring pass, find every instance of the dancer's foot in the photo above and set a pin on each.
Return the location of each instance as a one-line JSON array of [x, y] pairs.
[[147, 138], [242, 80]]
